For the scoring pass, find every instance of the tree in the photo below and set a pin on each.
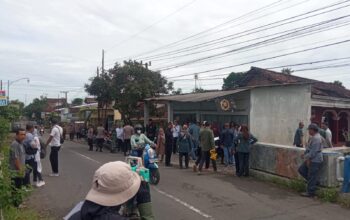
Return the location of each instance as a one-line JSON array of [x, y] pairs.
[[232, 80], [36, 107], [10, 112], [198, 90], [287, 71], [177, 92], [133, 83], [338, 83], [77, 101]]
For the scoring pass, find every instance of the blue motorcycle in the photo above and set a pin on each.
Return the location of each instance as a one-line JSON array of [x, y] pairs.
[[150, 161]]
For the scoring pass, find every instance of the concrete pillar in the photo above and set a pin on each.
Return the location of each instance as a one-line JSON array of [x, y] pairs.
[[198, 116], [145, 113], [170, 112]]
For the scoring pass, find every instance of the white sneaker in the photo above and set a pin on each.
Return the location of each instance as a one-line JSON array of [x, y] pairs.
[[54, 174], [40, 184]]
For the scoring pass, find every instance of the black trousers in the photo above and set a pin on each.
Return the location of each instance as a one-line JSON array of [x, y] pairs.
[[120, 144], [168, 152], [174, 145], [126, 146], [71, 136], [205, 158], [236, 162], [199, 158], [54, 158], [243, 164], [32, 167], [90, 143], [311, 173], [181, 156], [99, 144]]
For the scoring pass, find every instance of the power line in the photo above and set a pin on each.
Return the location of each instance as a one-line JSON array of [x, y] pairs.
[[254, 30], [308, 63], [153, 24], [264, 59]]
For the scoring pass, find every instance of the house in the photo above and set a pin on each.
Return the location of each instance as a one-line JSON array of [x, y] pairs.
[[270, 103]]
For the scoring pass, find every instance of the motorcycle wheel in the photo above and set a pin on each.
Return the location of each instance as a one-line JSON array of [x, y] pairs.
[[155, 176]]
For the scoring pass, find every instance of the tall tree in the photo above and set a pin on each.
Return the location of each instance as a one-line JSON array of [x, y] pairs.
[[287, 71], [133, 83], [35, 108], [232, 80], [77, 101], [338, 83]]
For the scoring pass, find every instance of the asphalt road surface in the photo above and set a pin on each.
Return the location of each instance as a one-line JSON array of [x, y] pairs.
[[181, 194]]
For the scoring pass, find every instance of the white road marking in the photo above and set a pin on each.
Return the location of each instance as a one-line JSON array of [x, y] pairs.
[[86, 157], [199, 212]]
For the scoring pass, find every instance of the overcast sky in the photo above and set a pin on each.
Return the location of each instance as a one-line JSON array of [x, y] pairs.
[[58, 43]]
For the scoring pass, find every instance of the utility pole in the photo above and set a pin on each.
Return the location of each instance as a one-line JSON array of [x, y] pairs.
[[97, 72], [66, 96], [103, 61], [195, 82], [0, 84]]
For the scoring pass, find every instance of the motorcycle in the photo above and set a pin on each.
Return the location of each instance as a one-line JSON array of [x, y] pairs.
[[151, 162]]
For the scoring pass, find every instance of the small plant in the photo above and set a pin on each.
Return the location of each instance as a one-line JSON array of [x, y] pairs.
[[328, 194]]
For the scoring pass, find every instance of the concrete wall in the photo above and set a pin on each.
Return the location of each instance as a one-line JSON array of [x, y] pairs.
[[284, 161], [276, 111]]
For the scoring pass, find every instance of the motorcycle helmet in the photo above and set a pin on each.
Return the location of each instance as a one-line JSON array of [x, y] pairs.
[[138, 129]]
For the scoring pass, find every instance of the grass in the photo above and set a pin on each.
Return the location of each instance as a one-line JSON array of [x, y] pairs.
[[13, 213], [331, 195]]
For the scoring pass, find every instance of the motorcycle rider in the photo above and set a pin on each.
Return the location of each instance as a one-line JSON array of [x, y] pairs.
[[138, 141]]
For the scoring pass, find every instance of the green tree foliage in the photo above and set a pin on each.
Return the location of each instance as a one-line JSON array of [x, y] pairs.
[[9, 112], [338, 83], [177, 92], [287, 71], [133, 83], [232, 80], [36, 107], [77, 101]]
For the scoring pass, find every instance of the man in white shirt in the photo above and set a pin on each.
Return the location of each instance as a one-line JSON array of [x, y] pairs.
[[54, 142], [328, 132], [176, 131], [120, 137]]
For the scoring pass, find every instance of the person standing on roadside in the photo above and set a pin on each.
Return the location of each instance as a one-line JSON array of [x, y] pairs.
[[176, 131], [313, 157], [161, 144], [100, 137], [328, 135], [151, 130], [194, 132], [244, 141], [184, 145], [128, 131], [207, 143], [226, 139], [299, 136], [17, 158], [54, 142], [120, 137], [31, 149], [168, 144], [90, 138]]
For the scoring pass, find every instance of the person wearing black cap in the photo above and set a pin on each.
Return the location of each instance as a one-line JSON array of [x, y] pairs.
[[313, 160]]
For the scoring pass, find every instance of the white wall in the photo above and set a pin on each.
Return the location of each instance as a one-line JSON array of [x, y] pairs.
[[276, 111]]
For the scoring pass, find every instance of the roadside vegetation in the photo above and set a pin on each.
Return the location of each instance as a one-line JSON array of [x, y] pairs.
[[8, 195]]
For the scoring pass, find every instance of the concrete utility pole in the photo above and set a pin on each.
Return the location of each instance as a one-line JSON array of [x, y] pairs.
[[97, 72], [103, 61], [195, 82], [66, 96]]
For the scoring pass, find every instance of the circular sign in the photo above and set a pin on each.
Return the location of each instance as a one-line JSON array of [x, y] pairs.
[[225, 105]]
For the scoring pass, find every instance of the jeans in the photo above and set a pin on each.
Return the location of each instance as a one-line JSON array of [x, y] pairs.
[[91, 144], [199, 158], [243, 159], [126, 146], [120, 144], [181, 155], [193, 151], [54, 158], [205, 157], [311, 175], [137, 153], [228, 155], [99, 144], [33, 167]]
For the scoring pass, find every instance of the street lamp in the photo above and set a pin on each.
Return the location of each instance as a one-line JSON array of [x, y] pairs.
[[12, 82]]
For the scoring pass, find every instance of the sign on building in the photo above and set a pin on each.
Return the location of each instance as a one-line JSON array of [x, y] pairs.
[[3, 98]]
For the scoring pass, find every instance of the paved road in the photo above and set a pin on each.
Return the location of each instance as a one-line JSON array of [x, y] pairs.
[[181, 194]]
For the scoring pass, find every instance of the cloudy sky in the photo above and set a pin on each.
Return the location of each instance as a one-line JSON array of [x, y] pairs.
[[58, 43]]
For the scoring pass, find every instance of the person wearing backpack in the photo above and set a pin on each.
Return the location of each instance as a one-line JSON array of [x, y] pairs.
[[31, 148], [55, 141], [184, 145]]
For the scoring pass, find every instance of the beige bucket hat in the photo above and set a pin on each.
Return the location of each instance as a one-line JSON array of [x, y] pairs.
[[113, 184]]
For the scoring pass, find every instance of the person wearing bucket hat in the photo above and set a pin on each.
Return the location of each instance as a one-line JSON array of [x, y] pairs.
[[113, 185], [313, 160]]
